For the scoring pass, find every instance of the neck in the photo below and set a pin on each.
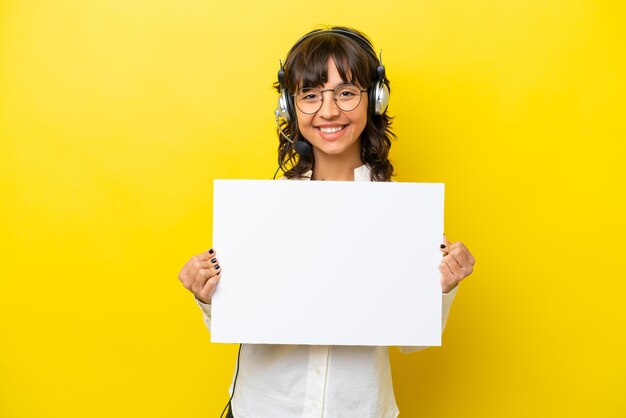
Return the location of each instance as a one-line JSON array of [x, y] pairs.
[[336, 167]]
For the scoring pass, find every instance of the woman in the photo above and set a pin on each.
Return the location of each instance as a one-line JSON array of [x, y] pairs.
[[332, 126]]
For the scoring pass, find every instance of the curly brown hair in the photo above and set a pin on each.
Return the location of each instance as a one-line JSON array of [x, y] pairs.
[[307, 65]]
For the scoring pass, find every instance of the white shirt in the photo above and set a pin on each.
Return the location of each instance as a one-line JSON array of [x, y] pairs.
[[301, 381]]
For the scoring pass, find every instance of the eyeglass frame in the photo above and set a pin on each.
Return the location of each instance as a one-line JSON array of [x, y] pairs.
[[322, 91]]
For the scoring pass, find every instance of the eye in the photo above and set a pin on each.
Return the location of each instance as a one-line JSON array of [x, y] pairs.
[[309, 94], [346, 93]]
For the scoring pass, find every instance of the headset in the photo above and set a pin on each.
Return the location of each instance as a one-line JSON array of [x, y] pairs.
[[378, 95]]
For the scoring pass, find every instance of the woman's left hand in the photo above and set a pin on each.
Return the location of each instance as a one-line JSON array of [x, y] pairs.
[[457, 263]]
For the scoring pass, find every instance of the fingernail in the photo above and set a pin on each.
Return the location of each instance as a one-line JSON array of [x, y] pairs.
[[442, 246], [211, 251], [213, 260], [217, 267]]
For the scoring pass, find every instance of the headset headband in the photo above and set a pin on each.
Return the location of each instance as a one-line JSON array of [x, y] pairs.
[[354, 36]]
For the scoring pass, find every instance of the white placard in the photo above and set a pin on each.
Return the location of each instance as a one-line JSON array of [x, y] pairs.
[[328, 263]]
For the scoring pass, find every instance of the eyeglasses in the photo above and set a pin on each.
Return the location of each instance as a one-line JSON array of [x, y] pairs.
[[347, 97]]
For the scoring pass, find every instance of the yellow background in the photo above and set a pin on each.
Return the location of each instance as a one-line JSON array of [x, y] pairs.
[[115, 117]]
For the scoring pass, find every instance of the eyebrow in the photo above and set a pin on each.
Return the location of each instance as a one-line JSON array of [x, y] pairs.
[[334, 88]]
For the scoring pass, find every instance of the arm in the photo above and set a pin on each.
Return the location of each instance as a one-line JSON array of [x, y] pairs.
[[206, 313], [456, 264], [200, 275]]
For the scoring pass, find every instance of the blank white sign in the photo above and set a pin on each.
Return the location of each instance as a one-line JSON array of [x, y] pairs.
[[328, 263]]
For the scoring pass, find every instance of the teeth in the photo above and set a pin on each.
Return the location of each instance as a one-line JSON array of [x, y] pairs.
[[331, 130]]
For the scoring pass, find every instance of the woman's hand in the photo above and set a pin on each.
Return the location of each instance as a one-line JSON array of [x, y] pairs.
[[457, 263], [201, 275]]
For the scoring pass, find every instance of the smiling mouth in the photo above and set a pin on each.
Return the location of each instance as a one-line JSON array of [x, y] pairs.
[[330, 130]]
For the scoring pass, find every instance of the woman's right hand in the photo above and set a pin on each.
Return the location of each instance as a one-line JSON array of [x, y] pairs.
[[201, 274]]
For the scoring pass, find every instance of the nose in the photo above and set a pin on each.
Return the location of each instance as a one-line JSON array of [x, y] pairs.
[[329, 108]]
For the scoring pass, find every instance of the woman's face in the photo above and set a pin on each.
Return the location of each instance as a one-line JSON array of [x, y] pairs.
[[331, 130]]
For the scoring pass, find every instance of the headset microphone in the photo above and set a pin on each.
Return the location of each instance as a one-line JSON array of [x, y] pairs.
[[303, 148]]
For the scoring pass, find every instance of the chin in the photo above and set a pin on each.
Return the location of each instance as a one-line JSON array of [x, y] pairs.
[[331, 149]]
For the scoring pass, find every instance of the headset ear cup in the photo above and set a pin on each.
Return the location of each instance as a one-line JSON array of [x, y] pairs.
[[290, 107], [283, 105], [379, 98]]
